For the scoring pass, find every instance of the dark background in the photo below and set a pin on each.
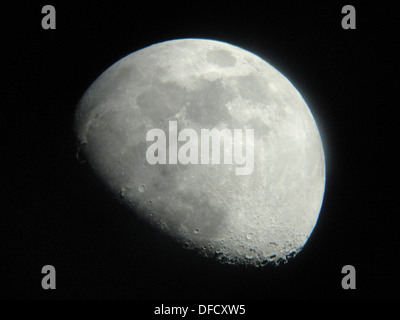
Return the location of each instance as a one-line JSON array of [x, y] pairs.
[[54, 212]]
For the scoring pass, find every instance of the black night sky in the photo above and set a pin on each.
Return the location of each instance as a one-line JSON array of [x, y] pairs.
[[55, 212]]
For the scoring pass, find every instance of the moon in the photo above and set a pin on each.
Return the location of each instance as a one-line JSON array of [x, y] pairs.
[[255, 219]]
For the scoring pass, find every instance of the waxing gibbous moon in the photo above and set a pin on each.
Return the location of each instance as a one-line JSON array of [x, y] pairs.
[[266, 216]]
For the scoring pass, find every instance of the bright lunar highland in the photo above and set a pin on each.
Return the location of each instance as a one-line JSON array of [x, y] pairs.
[[266, 216]]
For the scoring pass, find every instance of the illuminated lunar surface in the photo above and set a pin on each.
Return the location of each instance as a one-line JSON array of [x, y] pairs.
[[202, 84]]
